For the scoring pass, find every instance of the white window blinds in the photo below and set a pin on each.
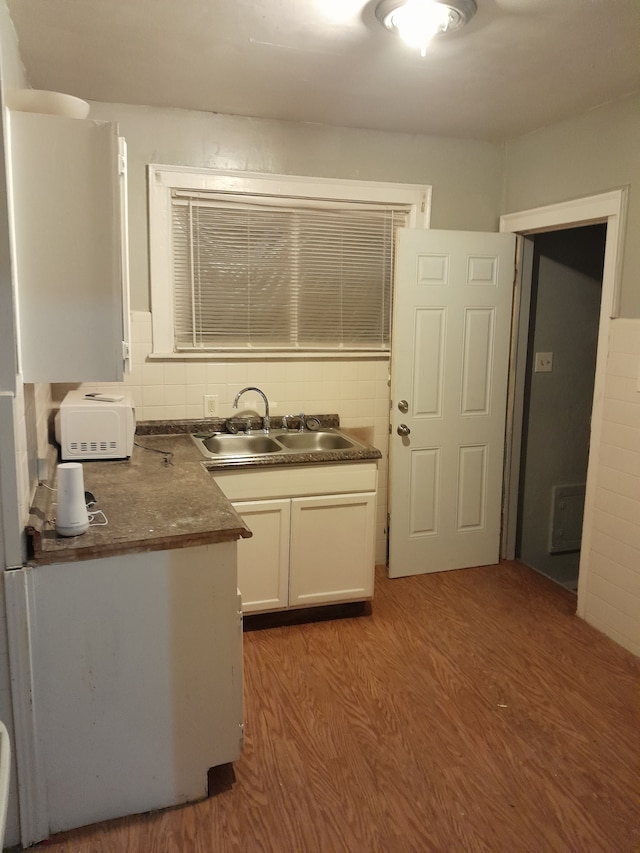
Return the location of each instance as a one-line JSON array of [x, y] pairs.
[[281, 274]]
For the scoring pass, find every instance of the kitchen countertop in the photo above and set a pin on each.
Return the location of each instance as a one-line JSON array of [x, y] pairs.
[[151, 505], [362, 451], [163, 497]]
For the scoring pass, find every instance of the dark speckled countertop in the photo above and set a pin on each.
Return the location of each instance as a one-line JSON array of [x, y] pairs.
[[362, 451], [151, 505], [163, 497]]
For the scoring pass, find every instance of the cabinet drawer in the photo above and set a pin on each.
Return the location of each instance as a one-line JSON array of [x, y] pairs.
[[298, 481]]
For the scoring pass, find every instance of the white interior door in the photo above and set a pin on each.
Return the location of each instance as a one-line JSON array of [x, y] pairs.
[[449, 365]]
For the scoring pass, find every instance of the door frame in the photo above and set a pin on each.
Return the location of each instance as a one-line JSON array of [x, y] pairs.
[[609, 208]]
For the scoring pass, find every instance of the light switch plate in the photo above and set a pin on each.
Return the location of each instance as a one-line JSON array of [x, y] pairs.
[[543, 362]]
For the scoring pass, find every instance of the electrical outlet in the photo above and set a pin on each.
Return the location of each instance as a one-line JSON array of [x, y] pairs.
[[210, 405], [43, 469]]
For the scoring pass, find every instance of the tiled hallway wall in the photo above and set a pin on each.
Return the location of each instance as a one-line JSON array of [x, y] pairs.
[[612, 579]]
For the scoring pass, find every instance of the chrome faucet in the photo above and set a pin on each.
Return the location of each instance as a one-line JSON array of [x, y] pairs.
[[266, 421], [301, 421]]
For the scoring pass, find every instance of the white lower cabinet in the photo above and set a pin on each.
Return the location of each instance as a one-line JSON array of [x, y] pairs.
[[306, 549]]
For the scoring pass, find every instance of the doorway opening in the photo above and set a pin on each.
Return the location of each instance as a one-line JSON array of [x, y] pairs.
[[608, 209], [566, 291]]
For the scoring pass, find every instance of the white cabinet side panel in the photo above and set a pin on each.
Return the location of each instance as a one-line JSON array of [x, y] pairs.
[[67, 236], [136, 668]]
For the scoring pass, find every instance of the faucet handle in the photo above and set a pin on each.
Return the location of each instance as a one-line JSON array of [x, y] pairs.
[[301, 425]]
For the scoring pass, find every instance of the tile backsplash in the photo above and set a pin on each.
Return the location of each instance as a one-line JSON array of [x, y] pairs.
[[356, 389]]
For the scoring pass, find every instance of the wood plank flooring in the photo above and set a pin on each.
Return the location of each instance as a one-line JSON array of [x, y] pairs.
[[471, 711]]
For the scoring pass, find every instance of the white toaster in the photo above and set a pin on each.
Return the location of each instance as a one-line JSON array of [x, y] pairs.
[[95, 426]]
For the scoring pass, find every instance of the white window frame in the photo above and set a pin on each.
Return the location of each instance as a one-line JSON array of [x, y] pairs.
[[164, 179]]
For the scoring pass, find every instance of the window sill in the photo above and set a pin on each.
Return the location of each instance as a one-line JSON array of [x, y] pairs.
[[270, 355]]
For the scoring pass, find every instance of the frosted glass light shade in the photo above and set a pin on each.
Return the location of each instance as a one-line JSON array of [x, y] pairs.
[[418, 21]]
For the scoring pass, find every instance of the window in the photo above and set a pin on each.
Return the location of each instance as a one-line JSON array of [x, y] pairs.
[[273, 265]]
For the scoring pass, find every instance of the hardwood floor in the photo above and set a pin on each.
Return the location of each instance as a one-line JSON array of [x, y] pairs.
[[471, 711]]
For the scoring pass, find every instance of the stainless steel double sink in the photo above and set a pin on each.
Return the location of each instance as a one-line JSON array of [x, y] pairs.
[[245, 446]]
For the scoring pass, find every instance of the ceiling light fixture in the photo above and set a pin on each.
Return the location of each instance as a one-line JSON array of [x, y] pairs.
[[418, 21]]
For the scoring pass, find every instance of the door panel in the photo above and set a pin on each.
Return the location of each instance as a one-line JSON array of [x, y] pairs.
[[425, 491], [452, 319], [429, 352], [472, 498], [479, 325]]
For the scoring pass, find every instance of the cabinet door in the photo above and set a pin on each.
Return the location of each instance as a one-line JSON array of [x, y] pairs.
[[66, 184], [263, 560], [332, 549]]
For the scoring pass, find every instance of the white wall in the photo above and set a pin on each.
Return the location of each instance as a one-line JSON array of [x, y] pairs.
[[466, 181], [11, 75], [465, 175], [610, 588], [589, 154], [14, 475]]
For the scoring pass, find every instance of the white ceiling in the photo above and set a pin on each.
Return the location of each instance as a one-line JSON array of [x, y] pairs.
[[518, 65]]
